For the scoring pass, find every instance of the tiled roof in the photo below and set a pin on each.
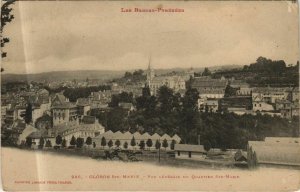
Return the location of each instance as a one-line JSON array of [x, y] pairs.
[[271, 89], [165, 136], [155, 136], [40, 133], [176, 138], [283, 140], [276, 152], [191, 148], [211, 91], [88, 119], [83, 101], [161, 79], [128, 136], [74, 125], [202, 82]]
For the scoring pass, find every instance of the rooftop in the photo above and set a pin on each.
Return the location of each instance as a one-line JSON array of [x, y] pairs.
[[189, 148]]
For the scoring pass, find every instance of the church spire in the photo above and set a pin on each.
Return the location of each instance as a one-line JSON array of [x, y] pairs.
[[150, 72], [149, 64]]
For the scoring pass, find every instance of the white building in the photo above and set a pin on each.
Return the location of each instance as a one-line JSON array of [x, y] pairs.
[[88, 127], [125, 139], [191, 152], [271, 94]]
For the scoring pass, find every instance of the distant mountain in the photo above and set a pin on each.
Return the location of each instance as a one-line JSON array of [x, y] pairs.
[[102, 75], [199, 69], [63, 76]]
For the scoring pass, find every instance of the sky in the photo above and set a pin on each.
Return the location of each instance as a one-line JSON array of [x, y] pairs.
[[95, 35]]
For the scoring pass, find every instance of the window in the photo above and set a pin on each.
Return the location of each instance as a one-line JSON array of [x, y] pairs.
[[190, 154], [178, 153]]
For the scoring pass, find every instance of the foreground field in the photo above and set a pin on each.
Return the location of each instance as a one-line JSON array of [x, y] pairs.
[[29, 170]]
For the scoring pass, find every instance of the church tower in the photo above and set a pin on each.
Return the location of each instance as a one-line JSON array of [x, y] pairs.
[[150, 73]]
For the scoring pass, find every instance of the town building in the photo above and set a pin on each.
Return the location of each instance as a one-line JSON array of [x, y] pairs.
[[127, 137], [127, 106], [88, 126], [192, 152], [271, 94], [63, 111], [259, 105], [209, 104], [44, 135], [236, 104], [290, 111], [174, 82], [100, 97], [25, 133], [243, 88], [208, 87], [277, 150], [295, 94]]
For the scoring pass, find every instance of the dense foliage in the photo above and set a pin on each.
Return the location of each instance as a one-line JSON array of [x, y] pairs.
[[265, 72], [75, 93], [169, 113], [136, 76]]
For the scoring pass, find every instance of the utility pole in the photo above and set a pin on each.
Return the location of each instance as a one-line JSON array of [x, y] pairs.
[[159, 151], [159, 155]]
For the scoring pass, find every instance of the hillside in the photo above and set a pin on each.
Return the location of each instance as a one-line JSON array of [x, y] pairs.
[[63, 76], [104, 75]]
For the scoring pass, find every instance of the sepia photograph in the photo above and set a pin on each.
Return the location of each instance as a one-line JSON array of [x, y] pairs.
[[150, 95]]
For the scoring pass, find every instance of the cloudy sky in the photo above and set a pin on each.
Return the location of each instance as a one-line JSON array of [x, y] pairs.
[[96, 35]]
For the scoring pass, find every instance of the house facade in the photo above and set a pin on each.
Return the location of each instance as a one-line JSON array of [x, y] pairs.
[[190, 152]]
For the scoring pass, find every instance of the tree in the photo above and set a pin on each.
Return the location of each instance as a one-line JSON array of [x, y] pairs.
[[41, 143], [64, 143], [28, 141], [103, 142], [207, 145], [58, 140], [230, 91], [122, 97], [149, 143], [88, 141], [165, 97], [6, 17], [125, 145], [73, 141], [146, 92], [133, 142], [48, 143], [79, 142], [173, 144], [28, 114], [46, 121], [165, 144], [142, 145], [157, 144], [190, 100], [116, 119], [118, 143], [206, 72], [110, 143]]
